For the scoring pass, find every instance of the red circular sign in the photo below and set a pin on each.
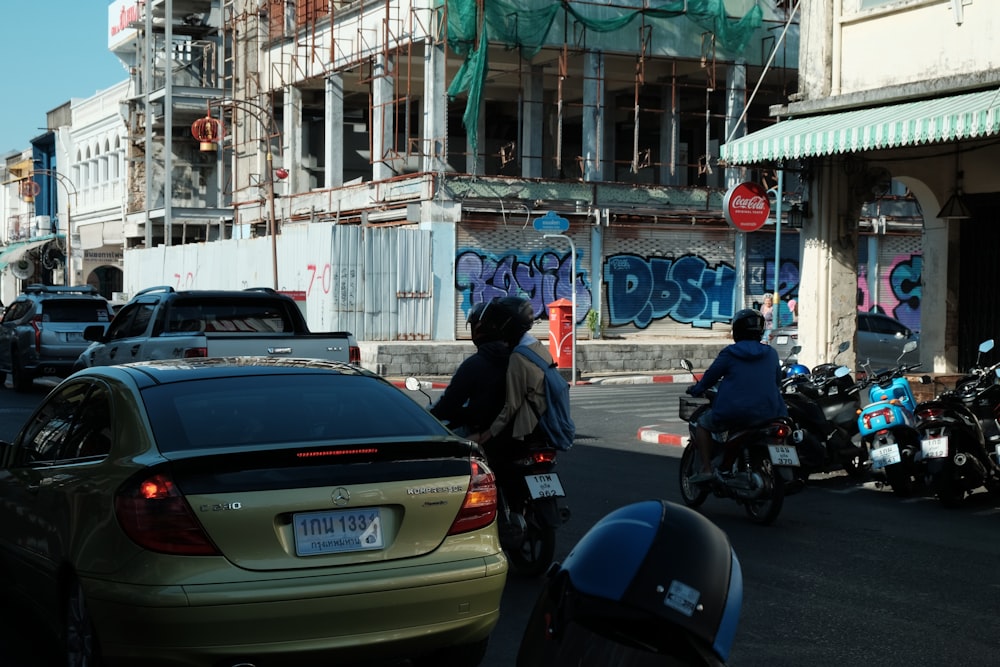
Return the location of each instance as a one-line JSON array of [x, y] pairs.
[[746, 207]]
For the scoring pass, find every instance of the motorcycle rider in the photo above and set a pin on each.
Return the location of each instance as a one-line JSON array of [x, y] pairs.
[[477, 391], [749, 376], [652, 583], [516, 428]]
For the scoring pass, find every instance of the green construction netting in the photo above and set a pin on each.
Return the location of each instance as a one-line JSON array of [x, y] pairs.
[[525, 25]]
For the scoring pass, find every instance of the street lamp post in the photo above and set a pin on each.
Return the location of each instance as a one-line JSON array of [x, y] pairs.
[[208, 130], [64, 181]]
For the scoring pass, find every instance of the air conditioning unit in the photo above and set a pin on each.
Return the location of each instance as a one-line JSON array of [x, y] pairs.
[[42, 224]]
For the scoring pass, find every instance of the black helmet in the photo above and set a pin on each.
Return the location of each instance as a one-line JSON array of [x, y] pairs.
[[509, 316], [650, 579], [481, 331], [748, 324]]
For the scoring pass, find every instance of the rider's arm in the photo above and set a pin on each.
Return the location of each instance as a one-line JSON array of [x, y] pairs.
[[712, 375]]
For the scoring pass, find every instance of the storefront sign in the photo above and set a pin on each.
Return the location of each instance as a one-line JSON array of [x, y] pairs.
[[746, 207]]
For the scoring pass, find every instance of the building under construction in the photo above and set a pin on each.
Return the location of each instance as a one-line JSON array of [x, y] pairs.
[[471, 119]]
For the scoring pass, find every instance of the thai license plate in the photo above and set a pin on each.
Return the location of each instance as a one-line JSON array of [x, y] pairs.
[[337, 531], [783, 455], [544, 486], [885, 456], [781, 340], [934, 448], [74, 336]]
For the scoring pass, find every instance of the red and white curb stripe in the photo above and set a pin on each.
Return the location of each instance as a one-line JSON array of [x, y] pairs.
[[654, 435], [647, 379]]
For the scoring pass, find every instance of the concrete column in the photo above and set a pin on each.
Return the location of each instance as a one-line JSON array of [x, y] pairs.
[[593, 116], [333, 171], [939, 289], [670, 153], [289, 153], [435, 119], [383, 91], [828, 291], [735, 101], [532, 122]]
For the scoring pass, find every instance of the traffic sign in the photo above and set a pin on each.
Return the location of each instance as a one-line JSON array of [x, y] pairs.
[[551, 223]]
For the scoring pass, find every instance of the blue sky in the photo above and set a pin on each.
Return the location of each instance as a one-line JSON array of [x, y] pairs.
[[53, 51]]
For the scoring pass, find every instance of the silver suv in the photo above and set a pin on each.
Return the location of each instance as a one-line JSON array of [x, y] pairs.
[[41, 332]]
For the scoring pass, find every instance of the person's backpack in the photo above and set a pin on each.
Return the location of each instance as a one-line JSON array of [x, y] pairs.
[[555, 421]]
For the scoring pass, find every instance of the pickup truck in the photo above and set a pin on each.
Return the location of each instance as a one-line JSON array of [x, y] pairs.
[[163, 323]]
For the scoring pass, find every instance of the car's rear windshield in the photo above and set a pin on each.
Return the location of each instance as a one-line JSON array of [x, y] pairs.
[[74, 310], [252, 410], [245, 316]]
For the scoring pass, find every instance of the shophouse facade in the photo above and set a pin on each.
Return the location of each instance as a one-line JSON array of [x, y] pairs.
[[911, 89]]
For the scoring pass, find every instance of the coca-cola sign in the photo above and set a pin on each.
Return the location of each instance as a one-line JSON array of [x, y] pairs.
[[746, 207]]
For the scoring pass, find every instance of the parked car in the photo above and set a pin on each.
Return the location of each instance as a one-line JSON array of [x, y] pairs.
[[249, 510], [41, 332], [880, 340]]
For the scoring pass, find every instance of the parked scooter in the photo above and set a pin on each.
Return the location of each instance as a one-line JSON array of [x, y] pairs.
[[529, 510], [824, 405], [960, 438], [888, 426], [763, 467]]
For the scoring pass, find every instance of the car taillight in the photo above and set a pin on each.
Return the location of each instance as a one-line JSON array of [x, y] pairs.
[[192, 352], [884, 413], [479, 508], [354, 355], [38, 331], [155, 515], [929, 413]]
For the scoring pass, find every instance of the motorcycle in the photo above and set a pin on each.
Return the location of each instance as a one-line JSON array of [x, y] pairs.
[[528, 505], [955, 428], [824, 405], [763, 469], [888, 426]]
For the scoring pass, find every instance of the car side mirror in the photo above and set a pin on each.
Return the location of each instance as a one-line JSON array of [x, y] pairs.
[[95, 332], [5, 448], [926, 379]]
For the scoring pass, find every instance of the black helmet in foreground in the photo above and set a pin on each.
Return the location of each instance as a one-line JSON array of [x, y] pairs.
[[652, 583], [510, 316], [748, 324]]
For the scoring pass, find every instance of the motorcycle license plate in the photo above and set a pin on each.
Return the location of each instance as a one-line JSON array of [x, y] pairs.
[[934, 448], [783, 455], [544, 486], [885, 456]]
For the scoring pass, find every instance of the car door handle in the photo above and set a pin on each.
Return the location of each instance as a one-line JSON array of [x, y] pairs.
[[112, 352], [135, 349]]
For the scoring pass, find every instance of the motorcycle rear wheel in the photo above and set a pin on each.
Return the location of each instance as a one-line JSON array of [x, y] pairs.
[[536, 552], [692, 494], [766, 510]]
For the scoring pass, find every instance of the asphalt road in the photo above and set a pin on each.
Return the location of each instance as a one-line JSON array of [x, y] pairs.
[[847, 575]]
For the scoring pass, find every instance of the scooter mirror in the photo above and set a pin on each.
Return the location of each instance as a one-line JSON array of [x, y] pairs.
[[986, 346], [412, 383], [842, 371], [910, 346], [844, 347], [687, 365]]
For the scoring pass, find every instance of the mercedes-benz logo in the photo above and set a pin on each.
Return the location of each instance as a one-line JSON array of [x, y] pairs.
[[341, 496]]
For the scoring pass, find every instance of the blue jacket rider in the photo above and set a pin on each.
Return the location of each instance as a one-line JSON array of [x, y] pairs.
[[749, 390]]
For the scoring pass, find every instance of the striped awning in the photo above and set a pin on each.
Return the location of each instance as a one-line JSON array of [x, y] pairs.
[[15, 251], [968, 116]]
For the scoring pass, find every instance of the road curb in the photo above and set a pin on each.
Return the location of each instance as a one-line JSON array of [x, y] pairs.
[[644, 379], [656, 435]]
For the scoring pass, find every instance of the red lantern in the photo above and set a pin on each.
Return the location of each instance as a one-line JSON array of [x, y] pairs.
[[281, 173], [208, 131]]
